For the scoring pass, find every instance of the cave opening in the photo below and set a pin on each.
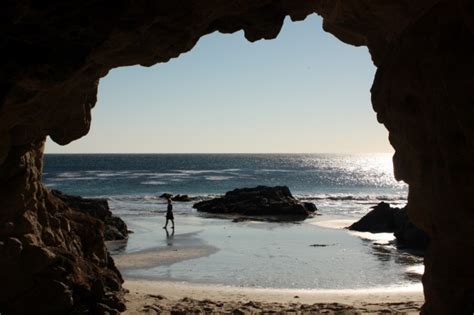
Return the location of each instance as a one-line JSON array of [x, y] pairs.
[[303, 92], [54, 56]]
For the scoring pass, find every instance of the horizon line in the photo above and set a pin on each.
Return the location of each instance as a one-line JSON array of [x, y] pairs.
[[66, 153]]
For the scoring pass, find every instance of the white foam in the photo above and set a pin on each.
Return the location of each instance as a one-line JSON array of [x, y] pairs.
[[383, 238], [108, 174], [215, 178], [418, 269], [334, 224], [69, 174], [72, 178], [153, 182]]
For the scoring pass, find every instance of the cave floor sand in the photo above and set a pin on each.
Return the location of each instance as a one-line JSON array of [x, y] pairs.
[[154, 297]]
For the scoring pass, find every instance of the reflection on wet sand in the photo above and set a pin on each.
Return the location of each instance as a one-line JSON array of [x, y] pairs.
[[386, 253], [178, 248], [169, 237]]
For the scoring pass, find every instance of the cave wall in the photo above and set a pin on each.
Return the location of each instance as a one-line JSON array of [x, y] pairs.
[[423, 93], [55, 52]]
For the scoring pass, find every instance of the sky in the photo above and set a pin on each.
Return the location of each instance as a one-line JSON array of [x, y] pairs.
[[303, 92]]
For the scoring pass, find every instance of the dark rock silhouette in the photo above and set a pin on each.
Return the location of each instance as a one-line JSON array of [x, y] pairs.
[[166, 195], [183, 198], [178, 197], [53, 55], [115, 228], [383, 218], [258, 201]]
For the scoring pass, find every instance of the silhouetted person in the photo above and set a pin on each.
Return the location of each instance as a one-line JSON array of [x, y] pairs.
[[169, 214]]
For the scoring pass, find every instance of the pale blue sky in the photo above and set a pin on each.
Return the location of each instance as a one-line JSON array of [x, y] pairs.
[[304, 91]]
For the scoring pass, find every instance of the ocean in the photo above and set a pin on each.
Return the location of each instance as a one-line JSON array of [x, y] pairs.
[[250, 254]]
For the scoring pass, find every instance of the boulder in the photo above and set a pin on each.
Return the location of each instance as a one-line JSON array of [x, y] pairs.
[[258, 201], [115, 227], [166, 195], [183, 198], [384, 218]]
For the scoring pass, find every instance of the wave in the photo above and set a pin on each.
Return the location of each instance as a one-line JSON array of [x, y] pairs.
[[353, 197], [69, 174], [193, 172], [196, 197], [153, 182], [63, 179], [152, 198], [217, 178]]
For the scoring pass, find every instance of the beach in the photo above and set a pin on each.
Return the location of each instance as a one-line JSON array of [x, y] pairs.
[[213, 263], [152, 294], [152, 297]]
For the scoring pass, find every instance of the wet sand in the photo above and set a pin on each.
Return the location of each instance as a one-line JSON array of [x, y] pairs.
[[154, 297], [162, 256], [148, 296]]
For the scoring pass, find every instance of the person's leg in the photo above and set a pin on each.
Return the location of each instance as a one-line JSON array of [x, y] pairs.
[[166, 224], [172, 221]]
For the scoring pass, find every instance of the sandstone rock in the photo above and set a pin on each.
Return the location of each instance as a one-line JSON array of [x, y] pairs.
[[258, 201], [53, 259], [115, 228]]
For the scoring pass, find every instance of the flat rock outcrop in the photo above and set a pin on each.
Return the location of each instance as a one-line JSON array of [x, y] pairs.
[[115, 227], [384, 218], [258, 201]]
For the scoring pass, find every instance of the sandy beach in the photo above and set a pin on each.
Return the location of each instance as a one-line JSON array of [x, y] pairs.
[[151, 290], [153, 297], [179, 297]]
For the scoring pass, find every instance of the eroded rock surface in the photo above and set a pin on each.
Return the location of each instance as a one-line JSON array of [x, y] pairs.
[[54, 53], [52, 259], [114, 227], [258, 201]]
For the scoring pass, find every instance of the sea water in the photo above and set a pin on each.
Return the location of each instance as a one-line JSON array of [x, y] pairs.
[[310, 255]]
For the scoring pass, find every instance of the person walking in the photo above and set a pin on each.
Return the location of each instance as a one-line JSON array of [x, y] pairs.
[[169, 214]]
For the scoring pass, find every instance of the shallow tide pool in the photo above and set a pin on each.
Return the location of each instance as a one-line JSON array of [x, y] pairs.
[[271, 255]]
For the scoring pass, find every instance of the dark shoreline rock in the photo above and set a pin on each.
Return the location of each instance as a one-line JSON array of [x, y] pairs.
[[384, 218], [114, 227], [259, 201], [178, 197]]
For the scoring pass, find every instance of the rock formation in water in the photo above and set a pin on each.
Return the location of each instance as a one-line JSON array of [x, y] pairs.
[[383, 218], [55, 52], [258, 201], [114, 227], [178, 197]]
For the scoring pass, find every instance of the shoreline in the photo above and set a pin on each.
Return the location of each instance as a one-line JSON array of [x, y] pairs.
[[147, 295], [153, 296]]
